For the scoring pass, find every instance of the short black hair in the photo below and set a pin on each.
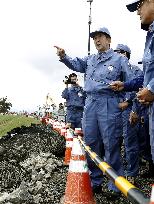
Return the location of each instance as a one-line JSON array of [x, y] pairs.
[[72, 75], [107, 36], [128, 55]]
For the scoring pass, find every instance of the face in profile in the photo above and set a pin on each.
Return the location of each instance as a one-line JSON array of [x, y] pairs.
[[146, 11]]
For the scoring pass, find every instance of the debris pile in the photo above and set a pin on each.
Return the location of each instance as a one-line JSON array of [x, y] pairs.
[[31, 166], [32, 170]]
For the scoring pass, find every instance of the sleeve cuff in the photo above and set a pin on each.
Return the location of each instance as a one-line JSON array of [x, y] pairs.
[[150, 88], [126, 86], [63, 58]]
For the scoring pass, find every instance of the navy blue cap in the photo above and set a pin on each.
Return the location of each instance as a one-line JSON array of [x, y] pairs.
[[133, 6], [123, 47], [100, 30]]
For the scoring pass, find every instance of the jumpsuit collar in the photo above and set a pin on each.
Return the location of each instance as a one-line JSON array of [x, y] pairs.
[[151, 27], [103, 56], [76, 87]]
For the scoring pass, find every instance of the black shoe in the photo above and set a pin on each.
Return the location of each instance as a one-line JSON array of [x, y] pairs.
[[97, 189], [150, 172]]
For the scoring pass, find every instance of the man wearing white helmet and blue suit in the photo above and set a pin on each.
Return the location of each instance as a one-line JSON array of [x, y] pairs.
[[101, 112]]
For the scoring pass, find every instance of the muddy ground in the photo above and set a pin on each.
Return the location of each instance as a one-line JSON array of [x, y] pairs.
[[32, 170]]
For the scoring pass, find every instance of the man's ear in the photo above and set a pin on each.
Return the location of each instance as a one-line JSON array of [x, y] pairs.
[[109, 40]]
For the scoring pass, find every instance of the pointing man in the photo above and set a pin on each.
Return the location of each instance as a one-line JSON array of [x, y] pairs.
[[102, 119]]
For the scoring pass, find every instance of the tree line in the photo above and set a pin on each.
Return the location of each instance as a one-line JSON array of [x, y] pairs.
[[5, 105]]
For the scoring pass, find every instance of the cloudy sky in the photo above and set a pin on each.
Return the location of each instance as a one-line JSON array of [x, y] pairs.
[[29, 29]]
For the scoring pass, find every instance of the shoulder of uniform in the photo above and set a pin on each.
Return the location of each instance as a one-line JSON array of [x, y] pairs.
[[125, 59], [90, 57], [115, 54]]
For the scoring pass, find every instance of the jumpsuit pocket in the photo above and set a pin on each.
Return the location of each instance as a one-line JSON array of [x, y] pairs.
[[112, 73], [115, 117], [87, 103], [113, 105]]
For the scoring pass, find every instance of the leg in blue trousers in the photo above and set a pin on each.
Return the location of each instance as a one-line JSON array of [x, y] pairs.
[[103, 114]]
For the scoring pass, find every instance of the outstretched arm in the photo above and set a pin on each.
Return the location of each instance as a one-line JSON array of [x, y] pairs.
[[132, 85], [76, 64]]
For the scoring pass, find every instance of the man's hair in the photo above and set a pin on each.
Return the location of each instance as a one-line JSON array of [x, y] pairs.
[[72, 75], [107, 36], [127, 53]]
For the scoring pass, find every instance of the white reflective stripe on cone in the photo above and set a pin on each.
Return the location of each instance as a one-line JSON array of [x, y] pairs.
[[78, 130], [69, 134], [78, 150], [78, 166], [69, 143], [152, 195]]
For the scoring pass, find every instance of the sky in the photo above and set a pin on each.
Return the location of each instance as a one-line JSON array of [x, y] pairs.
[[29, 66]]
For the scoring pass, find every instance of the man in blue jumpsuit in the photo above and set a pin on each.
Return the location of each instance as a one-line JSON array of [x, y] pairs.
[[101, 112], [75, 100], [145, 8], [131, 141]]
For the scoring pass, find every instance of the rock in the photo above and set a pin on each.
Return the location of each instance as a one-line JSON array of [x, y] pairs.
[[2, 150]]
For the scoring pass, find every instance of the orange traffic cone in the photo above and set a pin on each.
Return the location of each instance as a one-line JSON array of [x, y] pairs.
[[152, 195], [69, 143], [78, 186], [78, 132]]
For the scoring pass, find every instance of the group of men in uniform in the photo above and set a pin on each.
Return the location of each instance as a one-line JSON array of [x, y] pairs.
[[114, 105]]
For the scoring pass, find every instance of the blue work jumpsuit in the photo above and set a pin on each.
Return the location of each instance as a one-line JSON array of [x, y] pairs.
[[147, 80], [143, 130], [75, 100], [131, 141], [101, 112], [148, 68]]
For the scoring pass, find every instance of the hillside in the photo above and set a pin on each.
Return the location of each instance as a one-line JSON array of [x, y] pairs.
[[9, 122]]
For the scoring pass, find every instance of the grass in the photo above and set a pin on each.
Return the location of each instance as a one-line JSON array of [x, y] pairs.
[[9, 122]]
